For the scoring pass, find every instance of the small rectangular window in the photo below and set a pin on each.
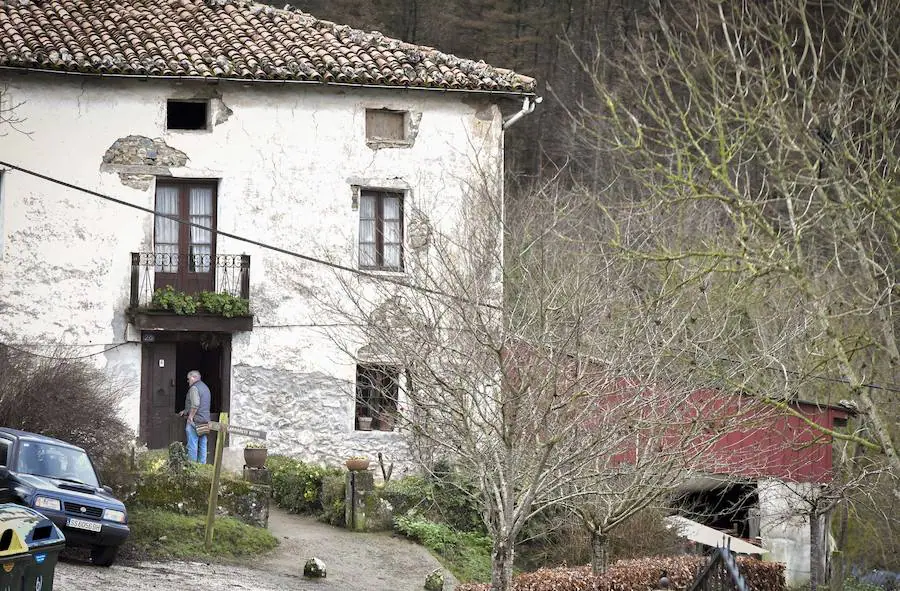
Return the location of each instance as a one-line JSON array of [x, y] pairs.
[[381, 230], [187, 114], [377, 392], [386, 125]]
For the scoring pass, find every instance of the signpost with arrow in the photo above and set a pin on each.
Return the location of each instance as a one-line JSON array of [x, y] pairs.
[[223, 429]]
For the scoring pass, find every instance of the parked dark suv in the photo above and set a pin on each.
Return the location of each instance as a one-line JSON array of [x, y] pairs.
[[59, 480]]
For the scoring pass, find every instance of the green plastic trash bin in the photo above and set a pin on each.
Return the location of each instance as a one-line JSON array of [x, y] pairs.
[[29, 548], [14, 557]]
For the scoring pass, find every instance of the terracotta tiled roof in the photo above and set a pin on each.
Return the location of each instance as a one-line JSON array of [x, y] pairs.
[[225, 39]]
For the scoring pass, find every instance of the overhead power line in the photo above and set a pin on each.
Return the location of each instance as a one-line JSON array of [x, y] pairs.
[[278, 249], [336, 266], [107, 349]]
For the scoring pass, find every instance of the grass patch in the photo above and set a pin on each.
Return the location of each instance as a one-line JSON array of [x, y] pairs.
[[164, 535], [466, 554]]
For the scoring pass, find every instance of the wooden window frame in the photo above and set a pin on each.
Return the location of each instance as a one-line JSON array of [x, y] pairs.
[[184, 276], [380, 195], [378, 394]]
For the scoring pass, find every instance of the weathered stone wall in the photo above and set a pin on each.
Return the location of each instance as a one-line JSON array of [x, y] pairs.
[[784, 526], [287, 158]]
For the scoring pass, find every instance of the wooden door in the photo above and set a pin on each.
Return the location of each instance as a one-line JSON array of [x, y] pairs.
[[162, 386]]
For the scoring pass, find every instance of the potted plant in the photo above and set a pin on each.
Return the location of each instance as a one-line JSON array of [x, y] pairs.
[[255, 453], [385, 421], [355, 463]]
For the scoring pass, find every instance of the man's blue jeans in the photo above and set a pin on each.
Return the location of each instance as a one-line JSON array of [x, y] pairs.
[[196, 444]]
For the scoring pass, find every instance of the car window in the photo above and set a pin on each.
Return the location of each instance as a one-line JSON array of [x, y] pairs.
[[4, 451], [53, 461]]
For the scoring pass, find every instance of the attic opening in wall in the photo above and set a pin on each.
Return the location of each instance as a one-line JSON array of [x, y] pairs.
[[732, 508], [386, 125], [189, 115]]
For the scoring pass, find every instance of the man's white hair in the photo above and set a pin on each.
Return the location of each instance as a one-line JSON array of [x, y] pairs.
[[194, 374]]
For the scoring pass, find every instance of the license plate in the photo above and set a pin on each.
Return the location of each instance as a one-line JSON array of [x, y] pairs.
[[84, 524]]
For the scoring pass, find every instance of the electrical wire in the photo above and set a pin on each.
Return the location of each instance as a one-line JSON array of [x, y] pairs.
[[278, 249], [318, 261], [66, 358]]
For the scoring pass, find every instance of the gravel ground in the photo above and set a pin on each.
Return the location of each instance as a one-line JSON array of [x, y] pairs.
[[354, 562], [175, 576]]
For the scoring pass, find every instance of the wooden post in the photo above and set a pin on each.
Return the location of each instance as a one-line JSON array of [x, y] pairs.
[[214, 487]]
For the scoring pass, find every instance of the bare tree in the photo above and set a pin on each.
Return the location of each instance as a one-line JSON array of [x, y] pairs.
[[9, 119], [530, 359], [762, 139], [38, 392], [851, 483]]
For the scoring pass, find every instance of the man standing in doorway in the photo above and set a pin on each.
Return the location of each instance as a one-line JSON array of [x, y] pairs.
[[196, 409]]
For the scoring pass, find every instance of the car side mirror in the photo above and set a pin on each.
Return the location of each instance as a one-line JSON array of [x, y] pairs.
[[4, 472], [107, 488]]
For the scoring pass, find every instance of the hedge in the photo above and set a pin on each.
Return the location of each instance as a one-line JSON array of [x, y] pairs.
[[639, 574], [297, 486], [170, 483]]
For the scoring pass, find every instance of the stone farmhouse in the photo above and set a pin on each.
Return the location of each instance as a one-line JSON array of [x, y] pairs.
[[157, 149]]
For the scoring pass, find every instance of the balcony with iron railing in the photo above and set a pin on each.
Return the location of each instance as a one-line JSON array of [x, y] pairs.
[[171, 291]]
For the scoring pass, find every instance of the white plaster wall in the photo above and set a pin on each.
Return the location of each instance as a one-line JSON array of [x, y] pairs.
[[286, 158], [784, 526]]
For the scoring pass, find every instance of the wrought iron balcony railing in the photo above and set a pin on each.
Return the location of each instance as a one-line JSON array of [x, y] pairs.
[[190, 274]]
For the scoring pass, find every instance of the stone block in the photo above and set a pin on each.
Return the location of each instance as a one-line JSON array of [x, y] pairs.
[[435, 580], [314, 569]]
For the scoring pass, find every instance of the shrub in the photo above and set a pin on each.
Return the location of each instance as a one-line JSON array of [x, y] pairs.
[[224, 304], [466, 554], [874, 580], [63, 397], [640, 575], [297, 486], [446, 498], [333, 499], [558, 537], [172, 484], [160, 534], [554, 538], [643, 573]]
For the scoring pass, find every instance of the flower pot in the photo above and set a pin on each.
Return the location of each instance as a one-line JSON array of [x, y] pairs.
[[354, 464], [385, 422], [364, 423], [255, 457]]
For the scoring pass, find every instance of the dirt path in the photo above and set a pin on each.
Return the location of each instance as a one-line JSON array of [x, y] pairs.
[[74, 575], [354, 561]]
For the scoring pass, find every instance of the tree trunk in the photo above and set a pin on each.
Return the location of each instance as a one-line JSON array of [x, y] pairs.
[[599, 552], [816, 552], [502, 557]]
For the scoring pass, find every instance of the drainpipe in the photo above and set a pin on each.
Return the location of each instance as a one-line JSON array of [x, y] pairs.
[[527, 108]]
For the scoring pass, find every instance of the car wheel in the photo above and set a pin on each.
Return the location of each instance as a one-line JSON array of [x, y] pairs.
[[104, 555]]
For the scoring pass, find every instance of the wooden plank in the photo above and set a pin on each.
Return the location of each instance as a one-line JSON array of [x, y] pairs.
[[235, 430], [145, 320], [256, 433]]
